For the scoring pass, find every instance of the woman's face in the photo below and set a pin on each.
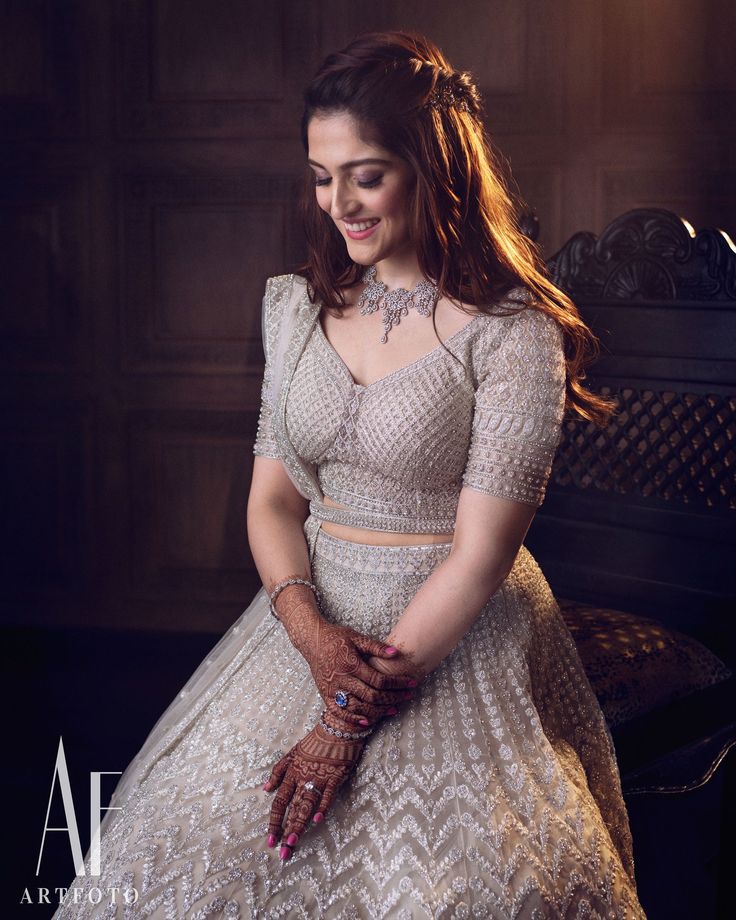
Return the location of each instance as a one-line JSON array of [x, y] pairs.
[[364, 189]]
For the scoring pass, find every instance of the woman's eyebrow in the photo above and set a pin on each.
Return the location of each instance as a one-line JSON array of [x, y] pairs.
[[354, 163]]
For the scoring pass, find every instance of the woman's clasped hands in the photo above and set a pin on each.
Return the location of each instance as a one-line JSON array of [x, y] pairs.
[[337, 655], [352, 688], [307, 777], [360, 680]]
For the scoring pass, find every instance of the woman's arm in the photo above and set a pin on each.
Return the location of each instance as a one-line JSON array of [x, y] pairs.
[[488, 534], [337, 655], [519, 405], [275, 519]]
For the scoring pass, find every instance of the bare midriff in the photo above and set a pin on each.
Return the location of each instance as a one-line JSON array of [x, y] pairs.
[[378, 537]]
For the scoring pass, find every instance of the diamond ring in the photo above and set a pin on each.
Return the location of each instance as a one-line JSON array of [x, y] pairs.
[[341, 698]]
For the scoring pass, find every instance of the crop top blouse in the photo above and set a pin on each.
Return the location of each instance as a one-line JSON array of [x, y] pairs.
[[397, 452]]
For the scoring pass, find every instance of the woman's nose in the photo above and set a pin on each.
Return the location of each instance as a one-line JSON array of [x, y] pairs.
[[342, 204]]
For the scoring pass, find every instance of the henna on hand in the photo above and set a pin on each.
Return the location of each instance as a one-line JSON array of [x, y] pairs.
[[405, 663], [337, 659], [319, 758]]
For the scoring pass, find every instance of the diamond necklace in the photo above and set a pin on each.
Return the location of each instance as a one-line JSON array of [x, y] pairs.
[[395, 304]]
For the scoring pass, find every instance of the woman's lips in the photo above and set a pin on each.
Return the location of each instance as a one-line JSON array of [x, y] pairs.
[[360, 234]]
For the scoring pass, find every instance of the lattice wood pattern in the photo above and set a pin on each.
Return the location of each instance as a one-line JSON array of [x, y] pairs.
[[673, 446]]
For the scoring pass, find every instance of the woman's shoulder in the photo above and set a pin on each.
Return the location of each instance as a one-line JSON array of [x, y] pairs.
[[277, 286], [283, 300], [519, 313], [282, 290], [516, 323]]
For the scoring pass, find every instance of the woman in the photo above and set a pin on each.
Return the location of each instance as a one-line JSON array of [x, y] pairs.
[[405, 684]]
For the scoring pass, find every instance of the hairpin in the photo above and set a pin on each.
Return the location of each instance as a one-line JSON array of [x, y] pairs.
[[445, 96]]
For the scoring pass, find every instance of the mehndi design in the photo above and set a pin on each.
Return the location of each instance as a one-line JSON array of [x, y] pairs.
[[307, 778], [337, 659]]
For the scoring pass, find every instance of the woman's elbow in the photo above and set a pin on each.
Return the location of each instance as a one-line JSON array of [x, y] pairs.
[[487, 567]]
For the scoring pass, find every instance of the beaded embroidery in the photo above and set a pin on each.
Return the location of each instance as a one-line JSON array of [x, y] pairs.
[[494, 793], [396, 453]]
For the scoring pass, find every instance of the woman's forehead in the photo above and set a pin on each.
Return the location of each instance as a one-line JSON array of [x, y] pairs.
[[336, 137]]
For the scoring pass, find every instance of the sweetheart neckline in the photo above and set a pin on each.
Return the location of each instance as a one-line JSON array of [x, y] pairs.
[[399, 370]]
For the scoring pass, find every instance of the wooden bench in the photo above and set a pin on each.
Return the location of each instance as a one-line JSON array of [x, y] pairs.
[[636, 537]]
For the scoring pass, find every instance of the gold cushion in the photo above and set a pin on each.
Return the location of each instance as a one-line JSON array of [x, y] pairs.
[[636, 664]]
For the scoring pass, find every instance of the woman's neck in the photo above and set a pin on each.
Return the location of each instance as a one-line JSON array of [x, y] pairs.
[[403, 273]]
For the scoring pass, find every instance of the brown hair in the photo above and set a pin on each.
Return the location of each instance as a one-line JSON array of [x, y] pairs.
[[464, 220]]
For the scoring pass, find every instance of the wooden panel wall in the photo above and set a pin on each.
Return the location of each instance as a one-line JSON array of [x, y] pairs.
[[151, 164]]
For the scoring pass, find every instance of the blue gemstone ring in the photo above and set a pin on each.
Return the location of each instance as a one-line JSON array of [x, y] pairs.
[[341, 698]]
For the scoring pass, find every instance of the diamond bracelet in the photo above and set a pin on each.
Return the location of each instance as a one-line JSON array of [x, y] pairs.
[[341, 734]]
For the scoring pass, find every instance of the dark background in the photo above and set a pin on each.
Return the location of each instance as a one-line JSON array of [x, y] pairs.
[[150, 173]]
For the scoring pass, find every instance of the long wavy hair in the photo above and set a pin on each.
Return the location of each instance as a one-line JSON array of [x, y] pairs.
[[464, 220]]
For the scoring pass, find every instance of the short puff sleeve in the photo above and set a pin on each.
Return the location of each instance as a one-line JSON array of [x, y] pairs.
[[265, 443], [519, 404]]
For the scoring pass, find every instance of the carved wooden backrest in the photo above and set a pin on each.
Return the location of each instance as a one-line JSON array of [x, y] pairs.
[[641, 515]]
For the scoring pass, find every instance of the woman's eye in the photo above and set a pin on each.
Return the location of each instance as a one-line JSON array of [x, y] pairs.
[[366, 183], [370, 183]]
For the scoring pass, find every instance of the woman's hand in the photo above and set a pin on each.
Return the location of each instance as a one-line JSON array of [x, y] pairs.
[[336, 656], [402, 663], [320, 759]]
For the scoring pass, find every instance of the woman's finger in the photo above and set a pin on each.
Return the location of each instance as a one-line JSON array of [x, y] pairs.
[[358, 707], [370, 646], [375, 703], [381, 680], [326, 800], [301, 810], [355, 718], [278, 808], [277, 773], [374, 691], [365, 694], [354, 709]]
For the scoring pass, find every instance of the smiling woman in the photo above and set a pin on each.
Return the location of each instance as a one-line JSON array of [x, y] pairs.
[[404, 683], [365, 190]]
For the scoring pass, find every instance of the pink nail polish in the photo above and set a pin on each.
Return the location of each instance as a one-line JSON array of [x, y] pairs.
[[390, 650], [284, 853], [392, 711], [271, 841], [267, 786], [318, 817], [364, 722], [412, 683], [292, 839]]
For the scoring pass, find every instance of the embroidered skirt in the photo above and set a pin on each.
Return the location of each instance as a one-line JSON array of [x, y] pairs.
[[493, 793]]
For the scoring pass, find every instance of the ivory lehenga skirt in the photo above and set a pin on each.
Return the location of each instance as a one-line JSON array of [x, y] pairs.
[[494, 793]]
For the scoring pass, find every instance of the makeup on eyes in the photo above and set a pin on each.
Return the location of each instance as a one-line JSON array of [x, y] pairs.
[[363, 183]]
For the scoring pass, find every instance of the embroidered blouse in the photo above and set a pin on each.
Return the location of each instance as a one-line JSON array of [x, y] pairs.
[[398, 451]]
